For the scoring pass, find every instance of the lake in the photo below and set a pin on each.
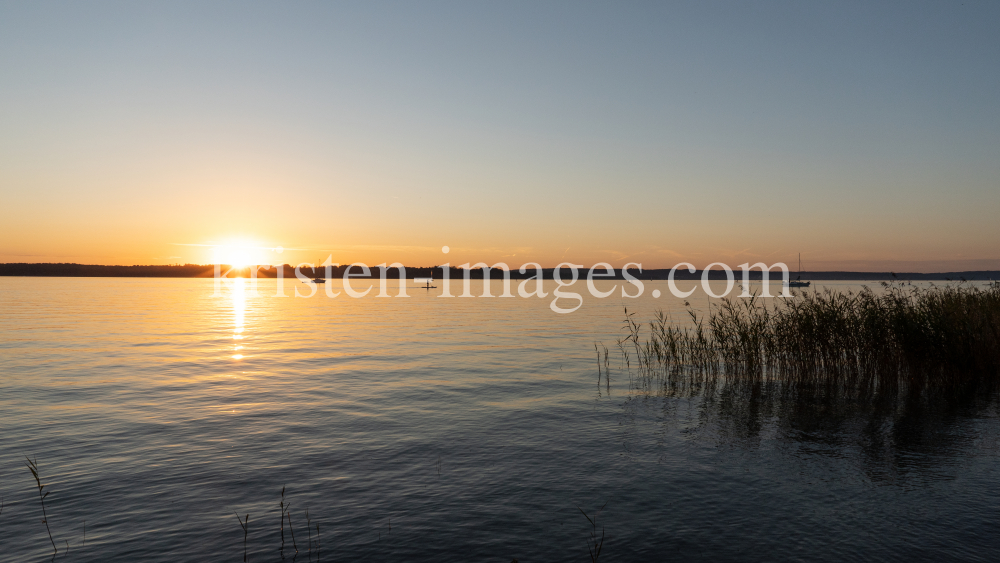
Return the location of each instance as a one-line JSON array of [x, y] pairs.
[[428, 429]]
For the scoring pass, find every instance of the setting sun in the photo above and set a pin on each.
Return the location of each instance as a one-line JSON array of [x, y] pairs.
[[240, 254]]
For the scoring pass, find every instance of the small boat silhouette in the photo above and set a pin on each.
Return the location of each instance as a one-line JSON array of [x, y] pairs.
[[428, 283], [797, 282], [318, 279]]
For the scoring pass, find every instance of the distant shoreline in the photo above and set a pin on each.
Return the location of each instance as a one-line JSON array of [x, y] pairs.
[[208, 271]]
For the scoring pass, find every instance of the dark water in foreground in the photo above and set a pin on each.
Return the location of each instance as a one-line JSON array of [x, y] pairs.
[[435, 430]]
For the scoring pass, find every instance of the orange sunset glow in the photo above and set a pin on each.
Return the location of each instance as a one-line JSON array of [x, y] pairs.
[[140, 148]]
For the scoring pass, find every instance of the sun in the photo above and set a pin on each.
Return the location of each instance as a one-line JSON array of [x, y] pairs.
[[239, 254]]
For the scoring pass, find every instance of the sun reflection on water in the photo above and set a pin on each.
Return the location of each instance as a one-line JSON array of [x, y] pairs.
[[239, 313]]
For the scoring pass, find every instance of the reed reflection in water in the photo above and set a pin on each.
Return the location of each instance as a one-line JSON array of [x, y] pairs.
[[887, 375]]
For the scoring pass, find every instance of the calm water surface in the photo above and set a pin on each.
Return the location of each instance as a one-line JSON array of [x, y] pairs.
[[429, 429]]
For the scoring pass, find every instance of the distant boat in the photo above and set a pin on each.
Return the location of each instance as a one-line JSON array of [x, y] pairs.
[[797, 282], [318, 279], [428, 280]]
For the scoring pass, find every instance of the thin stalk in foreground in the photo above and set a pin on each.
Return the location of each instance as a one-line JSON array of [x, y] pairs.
[[244, 523], [282, 505], [594, 546], [33, 466], [288, 514]]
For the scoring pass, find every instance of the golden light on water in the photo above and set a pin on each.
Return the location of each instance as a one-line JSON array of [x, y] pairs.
[[239, 313]]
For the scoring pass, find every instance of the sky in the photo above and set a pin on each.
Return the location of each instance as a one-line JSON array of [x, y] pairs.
[[863, 135]]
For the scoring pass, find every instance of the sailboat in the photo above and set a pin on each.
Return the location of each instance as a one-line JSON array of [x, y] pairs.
[[318, 279], [797, 282], [427, 281]]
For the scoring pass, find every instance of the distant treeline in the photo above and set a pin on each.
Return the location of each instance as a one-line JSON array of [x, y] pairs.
[[436, 272], [97, 271]]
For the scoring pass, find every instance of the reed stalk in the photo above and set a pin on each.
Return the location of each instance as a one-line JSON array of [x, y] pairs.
[[309, 531], [282, 513], [594, 545], [33, 466], [245, 524], [288, 514]]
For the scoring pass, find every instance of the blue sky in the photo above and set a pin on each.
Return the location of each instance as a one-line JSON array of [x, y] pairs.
[[855, 133]]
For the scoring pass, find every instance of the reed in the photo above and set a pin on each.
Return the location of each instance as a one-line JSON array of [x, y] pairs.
[[288, 514], [309, 531], [594, 545], [281, 550], [904, 343], [606, 371], [244, 523], [33, 466]]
